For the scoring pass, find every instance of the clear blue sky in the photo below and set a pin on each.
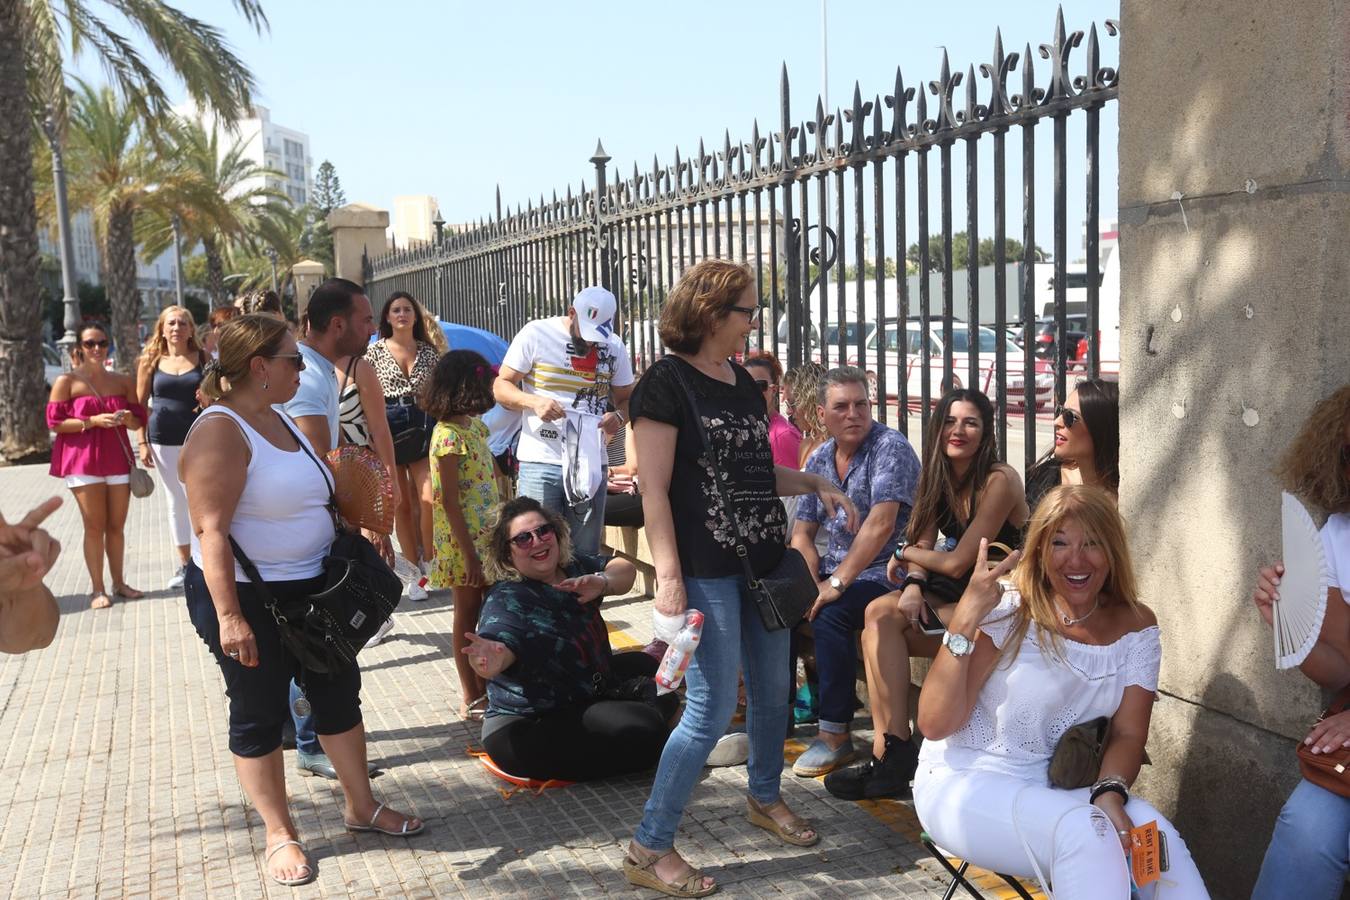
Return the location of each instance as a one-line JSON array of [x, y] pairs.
[[453, 99]]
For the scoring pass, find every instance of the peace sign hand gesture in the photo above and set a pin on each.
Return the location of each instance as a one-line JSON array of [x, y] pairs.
[[984, 591]]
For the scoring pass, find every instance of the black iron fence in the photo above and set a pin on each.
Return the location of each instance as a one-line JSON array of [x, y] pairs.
[[789, 204]]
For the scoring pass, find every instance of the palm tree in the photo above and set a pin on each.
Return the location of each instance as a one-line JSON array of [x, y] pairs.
[[224, 203], [37, 39]]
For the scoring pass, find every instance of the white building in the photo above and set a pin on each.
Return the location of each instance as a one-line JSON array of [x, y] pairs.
[[412, 220], [85, 242], [270, 145]]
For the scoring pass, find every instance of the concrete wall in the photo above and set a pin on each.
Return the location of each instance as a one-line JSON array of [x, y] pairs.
[[1243, 109], [357, 229]]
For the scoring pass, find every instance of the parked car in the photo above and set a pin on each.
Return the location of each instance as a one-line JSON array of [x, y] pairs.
[[51, 364], [987, 354], [1044, 337]]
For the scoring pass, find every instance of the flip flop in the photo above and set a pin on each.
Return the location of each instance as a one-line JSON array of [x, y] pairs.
[[100, 601], [476, 709], [128, 592], [290, 882], [405, 831]]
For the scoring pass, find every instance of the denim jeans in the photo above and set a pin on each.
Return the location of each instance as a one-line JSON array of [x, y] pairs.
[[543, 482], [306, 739], [836, 652], [1309, 852], [734, 640]]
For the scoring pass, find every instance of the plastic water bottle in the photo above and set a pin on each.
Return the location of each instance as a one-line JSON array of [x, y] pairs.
[[680, 653]]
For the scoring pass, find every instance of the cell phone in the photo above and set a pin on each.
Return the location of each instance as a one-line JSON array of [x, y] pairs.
[[929, 621]]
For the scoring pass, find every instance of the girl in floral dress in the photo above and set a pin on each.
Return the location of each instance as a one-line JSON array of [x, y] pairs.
[[465, 498]]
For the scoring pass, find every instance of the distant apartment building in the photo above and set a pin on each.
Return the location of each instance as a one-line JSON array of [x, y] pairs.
[[271, 145], [85, 243], [412, 220]]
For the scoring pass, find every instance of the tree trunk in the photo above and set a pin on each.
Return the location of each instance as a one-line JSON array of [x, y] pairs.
[[123, 297], [23, 425], [215, 274]]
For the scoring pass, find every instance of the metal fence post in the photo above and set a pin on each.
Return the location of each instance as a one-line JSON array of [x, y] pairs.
[[600, 160]]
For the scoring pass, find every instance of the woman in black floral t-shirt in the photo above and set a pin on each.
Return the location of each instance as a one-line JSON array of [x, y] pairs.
[[707, 319], [556, 707]]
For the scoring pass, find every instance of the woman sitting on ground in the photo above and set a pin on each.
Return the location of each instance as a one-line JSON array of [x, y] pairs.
[[1307, 853], [1087, 442], [251, 476], [965, 495], [544, 650], [1069, 643]]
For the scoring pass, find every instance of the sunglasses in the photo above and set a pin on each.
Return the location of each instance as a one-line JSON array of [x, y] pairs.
[[527, 538], [1070, 417], [296, 358], [93, 345], [764, 384]]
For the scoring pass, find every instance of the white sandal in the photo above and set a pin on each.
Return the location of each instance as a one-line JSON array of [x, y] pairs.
[[405, 831], [290, 882]]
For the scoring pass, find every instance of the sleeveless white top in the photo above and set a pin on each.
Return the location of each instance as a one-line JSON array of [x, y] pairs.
[[282, 521], [1026, 706]]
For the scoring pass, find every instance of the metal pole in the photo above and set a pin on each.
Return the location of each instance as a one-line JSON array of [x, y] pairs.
[[71, 300], [272, 257], [177, 258]]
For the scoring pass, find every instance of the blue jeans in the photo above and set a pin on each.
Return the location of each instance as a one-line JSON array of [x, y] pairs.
[[306, 739], [836, 652], [543, 482], [734, 640], [1309, 852]]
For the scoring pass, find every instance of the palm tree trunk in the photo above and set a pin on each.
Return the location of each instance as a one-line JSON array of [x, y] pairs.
[[23, 426], [123, 297], [215, 274]]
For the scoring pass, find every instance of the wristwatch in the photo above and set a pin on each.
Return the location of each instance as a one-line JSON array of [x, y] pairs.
[[836, 583], [957, 645]]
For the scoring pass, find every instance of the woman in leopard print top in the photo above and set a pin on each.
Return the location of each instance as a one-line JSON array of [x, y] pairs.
[[403, 359]]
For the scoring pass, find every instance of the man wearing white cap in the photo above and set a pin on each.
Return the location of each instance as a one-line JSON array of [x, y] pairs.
[[562, 373]]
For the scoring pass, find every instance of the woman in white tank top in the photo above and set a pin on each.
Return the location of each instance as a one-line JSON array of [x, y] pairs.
[[249, 474]]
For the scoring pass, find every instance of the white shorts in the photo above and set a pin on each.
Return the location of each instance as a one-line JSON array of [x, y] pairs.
[[74, 481]]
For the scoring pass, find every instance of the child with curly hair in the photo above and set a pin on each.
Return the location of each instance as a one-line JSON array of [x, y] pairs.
[[465, 495]]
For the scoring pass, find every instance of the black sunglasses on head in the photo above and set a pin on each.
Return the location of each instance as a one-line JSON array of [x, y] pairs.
[[528, 538], [1070, 417]]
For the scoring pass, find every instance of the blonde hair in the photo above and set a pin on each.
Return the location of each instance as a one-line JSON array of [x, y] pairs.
[[237, 342], [1311, 467], [802, 385], [262, 301], [157, 345], [1095, 510]]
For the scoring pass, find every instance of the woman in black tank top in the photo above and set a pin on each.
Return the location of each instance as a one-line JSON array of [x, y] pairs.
[[167, 377]]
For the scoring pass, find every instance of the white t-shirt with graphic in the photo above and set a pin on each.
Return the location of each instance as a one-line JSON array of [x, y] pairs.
[[543, 350], [1336, 546]]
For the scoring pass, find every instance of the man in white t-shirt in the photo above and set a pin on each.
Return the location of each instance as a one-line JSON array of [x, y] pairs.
[[563, 373]]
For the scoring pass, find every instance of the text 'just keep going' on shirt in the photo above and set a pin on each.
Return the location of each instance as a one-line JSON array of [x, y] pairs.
[[737, 423], [545, 352]]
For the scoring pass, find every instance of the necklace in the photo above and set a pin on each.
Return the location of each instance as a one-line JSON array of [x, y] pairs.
[[1064, 617]]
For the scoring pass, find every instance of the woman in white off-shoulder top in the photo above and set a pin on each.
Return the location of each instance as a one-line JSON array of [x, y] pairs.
[[1071, 643]]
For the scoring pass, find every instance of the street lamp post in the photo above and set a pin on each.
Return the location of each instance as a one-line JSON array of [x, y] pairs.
[[272, 256], [440, 227], [71, 300], [177, 225]]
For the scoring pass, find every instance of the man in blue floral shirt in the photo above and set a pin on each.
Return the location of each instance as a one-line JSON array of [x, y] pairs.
[[879, 471]]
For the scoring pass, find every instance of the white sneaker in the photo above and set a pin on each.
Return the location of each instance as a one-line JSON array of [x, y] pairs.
[[178, 577], [416, 592], [731, 750], [383, 633]]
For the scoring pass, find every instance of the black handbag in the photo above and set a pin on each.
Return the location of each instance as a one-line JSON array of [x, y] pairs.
[[783, 595], [326, 630], [410, 429]]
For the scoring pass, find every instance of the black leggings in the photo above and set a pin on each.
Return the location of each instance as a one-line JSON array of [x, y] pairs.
[[583, 743]]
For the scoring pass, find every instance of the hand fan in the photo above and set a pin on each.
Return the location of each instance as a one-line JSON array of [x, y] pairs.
[[1303, 587], [364, 490]]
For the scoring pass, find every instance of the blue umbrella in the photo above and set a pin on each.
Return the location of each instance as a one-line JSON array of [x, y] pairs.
[[466, 337]]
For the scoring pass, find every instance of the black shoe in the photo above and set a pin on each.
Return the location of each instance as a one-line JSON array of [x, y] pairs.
[[886, 777]]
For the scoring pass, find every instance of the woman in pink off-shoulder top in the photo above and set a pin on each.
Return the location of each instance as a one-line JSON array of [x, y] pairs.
[[90, 410]]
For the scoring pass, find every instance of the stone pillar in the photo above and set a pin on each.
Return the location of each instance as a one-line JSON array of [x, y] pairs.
[[308, 275], [356, 228], [1232, 326]]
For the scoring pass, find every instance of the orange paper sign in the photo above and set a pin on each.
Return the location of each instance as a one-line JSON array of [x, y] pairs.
[[1145, 854]]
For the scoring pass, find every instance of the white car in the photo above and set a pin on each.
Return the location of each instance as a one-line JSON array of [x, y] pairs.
[[987, 356]]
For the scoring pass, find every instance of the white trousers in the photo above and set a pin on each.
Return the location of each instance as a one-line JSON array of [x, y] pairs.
[[166, 463], [993, 820]]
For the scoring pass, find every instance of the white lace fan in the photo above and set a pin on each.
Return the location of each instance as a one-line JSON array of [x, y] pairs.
[[1303, 587]]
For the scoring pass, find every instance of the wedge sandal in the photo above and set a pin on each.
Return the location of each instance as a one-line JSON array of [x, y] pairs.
[[792, 833], [644, 875]]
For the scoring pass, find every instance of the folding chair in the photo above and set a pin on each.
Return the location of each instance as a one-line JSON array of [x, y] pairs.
[[958, 873]]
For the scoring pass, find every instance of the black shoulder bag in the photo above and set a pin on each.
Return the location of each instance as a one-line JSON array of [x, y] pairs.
[[325, 631], [782, 596]]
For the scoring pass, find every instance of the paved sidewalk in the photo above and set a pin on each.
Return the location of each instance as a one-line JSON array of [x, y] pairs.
[[115, 778]]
